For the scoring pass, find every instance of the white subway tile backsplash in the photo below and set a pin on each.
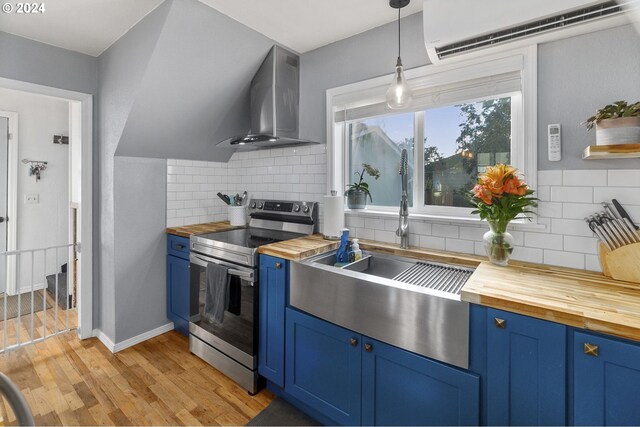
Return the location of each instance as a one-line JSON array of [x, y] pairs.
[[592, 178], [455, 245], [624, 177], [550, 177], [543, 240], [566, 197], [563, 259], [572, 194]]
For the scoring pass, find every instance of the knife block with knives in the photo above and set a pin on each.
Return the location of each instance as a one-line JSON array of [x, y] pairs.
[[619, 247]]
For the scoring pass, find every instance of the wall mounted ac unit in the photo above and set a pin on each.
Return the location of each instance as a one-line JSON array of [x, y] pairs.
[[455, 29]]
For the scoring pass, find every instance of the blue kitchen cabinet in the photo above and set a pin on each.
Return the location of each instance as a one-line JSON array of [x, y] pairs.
[[526, 370], [274, 275], [323, 367], [178, 282], [606, 381], [403, 388]]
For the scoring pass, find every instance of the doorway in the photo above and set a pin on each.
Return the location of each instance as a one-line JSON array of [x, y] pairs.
[[47, 269]]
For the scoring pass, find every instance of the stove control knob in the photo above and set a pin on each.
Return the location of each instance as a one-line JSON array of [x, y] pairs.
[[253, 205], [296, 208], [260, 205], [305, 209]]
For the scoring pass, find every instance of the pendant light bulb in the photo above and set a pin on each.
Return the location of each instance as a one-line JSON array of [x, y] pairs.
[[399, 94]]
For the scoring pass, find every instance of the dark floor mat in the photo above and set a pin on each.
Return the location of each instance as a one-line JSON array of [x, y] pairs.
[[281, 413]]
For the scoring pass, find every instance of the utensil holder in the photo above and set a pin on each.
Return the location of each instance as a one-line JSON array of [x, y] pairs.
[[238, 215], [622, 263]]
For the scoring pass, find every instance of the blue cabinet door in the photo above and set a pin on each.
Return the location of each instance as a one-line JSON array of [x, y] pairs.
[[274, 273], [403, 388], [178, 293], [323, 367], [526, 370], [606, 381]]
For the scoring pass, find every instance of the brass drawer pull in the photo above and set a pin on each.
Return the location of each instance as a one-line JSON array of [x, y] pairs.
[[590, 349], [368, 347], [500, 323], [278, 265], [353, 342]]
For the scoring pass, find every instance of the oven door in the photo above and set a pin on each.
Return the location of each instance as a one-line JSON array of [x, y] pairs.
[[237, 335]]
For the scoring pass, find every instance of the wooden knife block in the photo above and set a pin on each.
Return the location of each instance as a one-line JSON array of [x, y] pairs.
[[622, 263]]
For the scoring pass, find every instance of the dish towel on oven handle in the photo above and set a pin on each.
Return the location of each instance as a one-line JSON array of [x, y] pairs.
[[216, 298]]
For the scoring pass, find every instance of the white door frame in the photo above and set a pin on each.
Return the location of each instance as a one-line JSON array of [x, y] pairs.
[[12, 198], [85, 279]]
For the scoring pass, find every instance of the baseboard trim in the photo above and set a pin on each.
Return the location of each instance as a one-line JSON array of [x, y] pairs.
[[114, 348]]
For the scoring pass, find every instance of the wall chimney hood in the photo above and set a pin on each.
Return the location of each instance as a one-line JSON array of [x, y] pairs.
[[275, 94]]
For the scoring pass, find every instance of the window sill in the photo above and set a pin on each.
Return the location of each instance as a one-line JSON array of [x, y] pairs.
[[474, 221]]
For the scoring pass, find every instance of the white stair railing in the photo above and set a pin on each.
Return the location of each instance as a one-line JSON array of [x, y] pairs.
[[30, 254]]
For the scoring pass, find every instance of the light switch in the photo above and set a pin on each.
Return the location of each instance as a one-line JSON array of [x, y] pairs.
[[31, 199]]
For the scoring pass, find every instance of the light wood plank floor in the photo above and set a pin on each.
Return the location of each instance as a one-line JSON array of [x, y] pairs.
[[66, 319], [158, 382]]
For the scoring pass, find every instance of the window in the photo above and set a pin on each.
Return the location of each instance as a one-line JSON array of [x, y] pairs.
[[463, 119]]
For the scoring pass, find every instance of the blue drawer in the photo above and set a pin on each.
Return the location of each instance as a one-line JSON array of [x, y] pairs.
[[178, 246]]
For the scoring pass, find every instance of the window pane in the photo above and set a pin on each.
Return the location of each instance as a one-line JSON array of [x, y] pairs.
[[460, 141], [379, 143]]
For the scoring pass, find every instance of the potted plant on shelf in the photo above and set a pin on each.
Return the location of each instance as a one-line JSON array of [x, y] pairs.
[[358, 192], [617, 123], [499, 197]]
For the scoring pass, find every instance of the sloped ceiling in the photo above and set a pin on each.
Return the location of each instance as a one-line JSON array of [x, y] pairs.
[[195, 89]]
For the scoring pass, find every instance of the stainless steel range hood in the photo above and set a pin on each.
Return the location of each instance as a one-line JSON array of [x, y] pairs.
[[274, 105]]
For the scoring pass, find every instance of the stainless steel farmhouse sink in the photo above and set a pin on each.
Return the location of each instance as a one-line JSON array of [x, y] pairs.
[[405, 302]]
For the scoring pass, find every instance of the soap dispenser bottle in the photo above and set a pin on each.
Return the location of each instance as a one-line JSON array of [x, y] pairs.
[[341, 255], [355, 249]]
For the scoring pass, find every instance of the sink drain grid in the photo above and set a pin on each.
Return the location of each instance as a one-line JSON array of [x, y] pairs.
[[436, 276]]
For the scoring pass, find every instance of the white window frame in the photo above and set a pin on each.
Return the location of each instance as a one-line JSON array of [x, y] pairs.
[[524, 122]]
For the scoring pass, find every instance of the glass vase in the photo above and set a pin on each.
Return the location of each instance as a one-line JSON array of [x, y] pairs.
[[498, 243]]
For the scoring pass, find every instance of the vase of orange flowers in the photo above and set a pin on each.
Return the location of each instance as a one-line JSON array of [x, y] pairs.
[[500, 196]]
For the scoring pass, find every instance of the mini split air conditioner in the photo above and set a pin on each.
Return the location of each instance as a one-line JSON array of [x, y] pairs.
[[460, 29]]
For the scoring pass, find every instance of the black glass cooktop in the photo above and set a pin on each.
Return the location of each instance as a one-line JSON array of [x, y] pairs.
[[250, 237]]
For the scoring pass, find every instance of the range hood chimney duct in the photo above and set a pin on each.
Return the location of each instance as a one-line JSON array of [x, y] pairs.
[[275, 94]]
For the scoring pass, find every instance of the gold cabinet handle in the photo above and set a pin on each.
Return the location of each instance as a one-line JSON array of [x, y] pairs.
[[500, 323], [353, 342], [368, 347], [278, 265], [590, 349]]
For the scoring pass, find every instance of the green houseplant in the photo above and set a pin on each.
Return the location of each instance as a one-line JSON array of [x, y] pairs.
[[358, 192], [617, 123]]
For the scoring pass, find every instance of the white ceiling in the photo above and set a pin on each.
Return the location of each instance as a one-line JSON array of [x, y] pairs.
[[87, 26], [304, 25], [91, 26]]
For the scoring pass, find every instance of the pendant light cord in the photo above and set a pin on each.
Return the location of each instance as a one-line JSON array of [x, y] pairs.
[[398, 33]]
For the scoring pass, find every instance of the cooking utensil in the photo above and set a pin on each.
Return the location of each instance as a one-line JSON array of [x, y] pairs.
[[622, 223], [244, 198], [224, 198], [623, 213], [237, 200]]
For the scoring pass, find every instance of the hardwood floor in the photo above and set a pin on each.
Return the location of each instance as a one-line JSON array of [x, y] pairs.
[[158, 382], [39, 323]]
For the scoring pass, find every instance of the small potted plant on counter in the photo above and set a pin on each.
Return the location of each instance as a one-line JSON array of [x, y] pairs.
[[499, 197], [358, 192], [617, 123]]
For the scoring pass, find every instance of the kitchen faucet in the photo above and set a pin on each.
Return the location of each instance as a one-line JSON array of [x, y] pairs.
[[403, 221]]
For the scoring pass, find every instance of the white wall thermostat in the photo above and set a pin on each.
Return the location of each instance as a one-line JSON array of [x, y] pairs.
[[554, 137]]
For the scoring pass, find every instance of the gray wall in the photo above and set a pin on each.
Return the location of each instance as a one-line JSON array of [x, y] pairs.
[[121, 69], [140, 256], [195, 89], [576, 76]]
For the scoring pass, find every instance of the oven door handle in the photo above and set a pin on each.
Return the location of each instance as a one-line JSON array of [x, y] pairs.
[[202, 262]]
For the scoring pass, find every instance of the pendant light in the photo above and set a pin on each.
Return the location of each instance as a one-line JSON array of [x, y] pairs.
[[399, 94]]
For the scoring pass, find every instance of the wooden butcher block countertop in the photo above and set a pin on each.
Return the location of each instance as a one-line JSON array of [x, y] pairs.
[[302, 247], [578, 298], [207, 227]]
